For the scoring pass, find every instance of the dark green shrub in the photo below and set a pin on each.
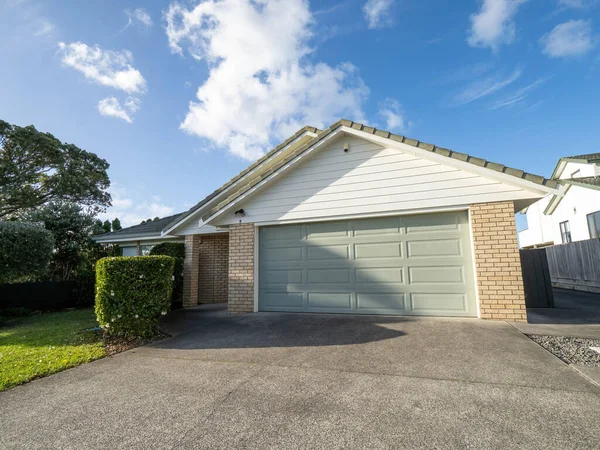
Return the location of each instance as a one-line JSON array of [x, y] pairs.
[[132, 293], [25, 251], [176, 250]]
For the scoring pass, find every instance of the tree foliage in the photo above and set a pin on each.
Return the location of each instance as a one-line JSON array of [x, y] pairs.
[[36, 168], [116, 224], [71, 227], [25, 251]]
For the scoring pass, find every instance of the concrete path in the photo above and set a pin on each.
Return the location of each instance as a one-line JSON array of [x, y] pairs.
[[317, 381]]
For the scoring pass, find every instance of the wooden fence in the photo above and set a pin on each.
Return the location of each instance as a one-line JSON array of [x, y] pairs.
[[536, 279], [575, 265]]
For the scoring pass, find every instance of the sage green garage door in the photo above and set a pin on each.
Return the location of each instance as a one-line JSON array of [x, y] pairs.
[[415, 265]]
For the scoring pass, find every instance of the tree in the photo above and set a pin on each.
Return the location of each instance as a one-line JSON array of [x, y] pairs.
[[36, 168], [71, 227], [25, 250], [106, 226], [116, 224]]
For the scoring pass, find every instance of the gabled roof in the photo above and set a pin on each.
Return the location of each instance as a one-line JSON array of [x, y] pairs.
[[295, 152], [150, 228], [181, 217], [587, 158]]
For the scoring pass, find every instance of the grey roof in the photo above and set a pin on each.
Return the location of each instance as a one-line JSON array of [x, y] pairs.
[[385, 134], [590, 157], [154, 227], [593, 182]]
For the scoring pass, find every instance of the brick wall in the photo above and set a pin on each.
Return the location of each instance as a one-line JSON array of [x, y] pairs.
[[213, 268], [190, 270], [497, 261], [241, 267]]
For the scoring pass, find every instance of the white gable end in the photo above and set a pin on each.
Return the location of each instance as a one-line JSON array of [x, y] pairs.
[[369, 179]]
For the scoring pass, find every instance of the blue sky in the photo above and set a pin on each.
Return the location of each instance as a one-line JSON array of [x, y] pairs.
[[180, 97]]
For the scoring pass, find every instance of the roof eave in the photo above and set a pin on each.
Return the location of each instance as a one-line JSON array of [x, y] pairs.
[[209, 200]]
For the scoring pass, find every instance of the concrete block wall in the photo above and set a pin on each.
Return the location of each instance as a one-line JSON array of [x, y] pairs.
[[241, 267], [497, 262]]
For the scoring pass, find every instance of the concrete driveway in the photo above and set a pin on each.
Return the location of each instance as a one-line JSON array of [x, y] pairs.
[[318, 381]]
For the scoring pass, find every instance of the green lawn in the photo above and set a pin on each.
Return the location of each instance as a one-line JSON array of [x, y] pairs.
[[36, 346]]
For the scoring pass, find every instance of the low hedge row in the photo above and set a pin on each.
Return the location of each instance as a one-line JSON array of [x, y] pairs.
[[132, 293]]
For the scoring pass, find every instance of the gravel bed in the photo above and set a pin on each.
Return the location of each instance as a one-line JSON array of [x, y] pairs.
[[571, 350]]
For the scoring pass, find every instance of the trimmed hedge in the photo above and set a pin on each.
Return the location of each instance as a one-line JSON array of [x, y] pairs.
[[25, 251], [176, 250], [132, 293]]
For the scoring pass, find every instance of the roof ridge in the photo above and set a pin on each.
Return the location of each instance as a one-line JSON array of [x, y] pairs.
[[538, 179]]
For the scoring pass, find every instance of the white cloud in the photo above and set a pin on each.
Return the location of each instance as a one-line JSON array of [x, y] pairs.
[[483, 88], [111, 107], [577, 4], [106, 67], [43, 28], [140, 16], [131, 212], [493, 25], [518, 96], [392, 113], [572, 38], [261, 86], [377, 13]]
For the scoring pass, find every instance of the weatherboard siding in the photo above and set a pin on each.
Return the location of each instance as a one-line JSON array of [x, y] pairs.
[[368, 179]]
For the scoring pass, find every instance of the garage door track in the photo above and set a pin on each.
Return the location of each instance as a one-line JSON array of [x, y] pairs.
[[273, 380]]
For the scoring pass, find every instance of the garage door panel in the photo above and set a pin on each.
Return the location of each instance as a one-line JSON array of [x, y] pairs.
[[279, 301], [377, 227], [283, 276], [436, 275], [327, 276], [292, 232], [434, 224], [329, 252], [417, 265], [327, 230], [330, 301], [283, 254], [378, 251], [434, 248], [378, 275], [372, 302], [442, 303]]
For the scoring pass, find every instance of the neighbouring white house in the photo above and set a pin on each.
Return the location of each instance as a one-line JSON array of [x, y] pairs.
[[575, 216]]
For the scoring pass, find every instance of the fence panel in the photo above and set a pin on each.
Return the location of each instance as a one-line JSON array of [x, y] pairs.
[[575, 265], [536, 279]]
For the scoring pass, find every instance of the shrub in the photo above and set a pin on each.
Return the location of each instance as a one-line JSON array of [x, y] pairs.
[[132, 293], [25, 251], [176, 250]]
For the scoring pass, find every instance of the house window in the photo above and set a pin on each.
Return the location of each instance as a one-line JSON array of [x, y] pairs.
[[565, 232], [129, 251], [594, 224], [146, 249]]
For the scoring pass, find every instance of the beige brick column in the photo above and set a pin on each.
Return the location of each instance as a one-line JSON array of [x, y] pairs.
[[214, 268], [241, 268], [497, 261], [191, 270]]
